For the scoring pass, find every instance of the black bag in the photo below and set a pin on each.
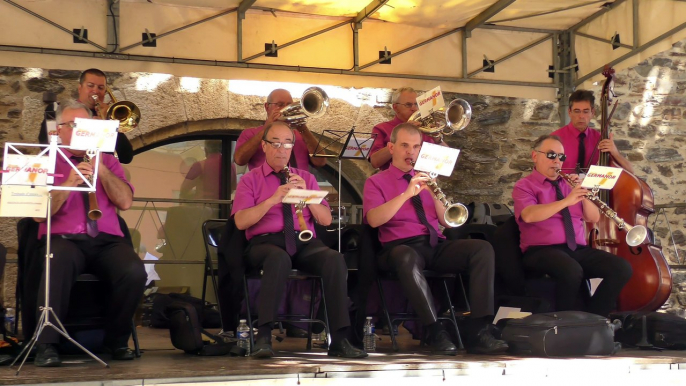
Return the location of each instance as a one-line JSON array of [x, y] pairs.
[[208, 317], [663, 330], [564, 333], [186, 332]]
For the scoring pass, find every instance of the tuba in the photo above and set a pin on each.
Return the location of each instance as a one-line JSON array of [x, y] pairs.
[[126, 112], [446, 120], [313, 103], [305, 234]]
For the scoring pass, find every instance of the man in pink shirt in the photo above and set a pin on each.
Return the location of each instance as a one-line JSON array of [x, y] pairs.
[[551, 217], [273, 247], [398, 202], [404, 104], [80, 245], [249, 148], [583, 143]]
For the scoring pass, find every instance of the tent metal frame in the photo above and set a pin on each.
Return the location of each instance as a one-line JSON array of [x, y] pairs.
[[562, 43]]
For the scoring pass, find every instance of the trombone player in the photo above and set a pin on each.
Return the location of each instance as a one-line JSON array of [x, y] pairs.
[[399, 203], [404, 102], [93, 83]]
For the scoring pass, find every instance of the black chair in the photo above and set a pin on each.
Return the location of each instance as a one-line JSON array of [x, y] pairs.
[[88, 293], [294, 275], [391, 319], [212, 231]]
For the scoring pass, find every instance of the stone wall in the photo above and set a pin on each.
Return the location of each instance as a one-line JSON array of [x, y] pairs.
[[648, 126]]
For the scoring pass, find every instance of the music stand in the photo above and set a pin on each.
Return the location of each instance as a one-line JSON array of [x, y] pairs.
[[53, 151], [353, 148]]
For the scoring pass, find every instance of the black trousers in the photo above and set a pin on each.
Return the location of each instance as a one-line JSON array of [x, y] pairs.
[[114, 262], [268, 252], [407, 258], [570, 268]]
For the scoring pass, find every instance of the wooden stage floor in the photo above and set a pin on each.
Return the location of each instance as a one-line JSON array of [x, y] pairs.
[[161, 364]]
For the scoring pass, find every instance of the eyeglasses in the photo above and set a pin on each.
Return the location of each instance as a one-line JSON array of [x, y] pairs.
[[71, 124], [553, 155], [277, 145], [408, 105], [278, 104]]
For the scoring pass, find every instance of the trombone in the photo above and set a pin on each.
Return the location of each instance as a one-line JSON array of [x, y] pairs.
[[313, 104], [126, 112]]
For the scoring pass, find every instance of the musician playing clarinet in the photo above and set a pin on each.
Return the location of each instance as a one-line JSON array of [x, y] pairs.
[[272, 228], [80, 245], [551, 215]]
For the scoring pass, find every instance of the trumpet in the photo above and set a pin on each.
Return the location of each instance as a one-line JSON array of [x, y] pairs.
[[446, 120], [126, 112], [94, 212], [456, 214], [636, 235], [305, 234], [313, 103]]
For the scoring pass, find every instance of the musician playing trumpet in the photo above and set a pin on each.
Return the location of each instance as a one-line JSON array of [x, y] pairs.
[[398, 202], [273, 246], [551, 216], [80, 244]]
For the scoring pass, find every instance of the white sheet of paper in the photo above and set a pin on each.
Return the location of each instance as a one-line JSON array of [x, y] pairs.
[[437, 158], [604, 177], [25, 169], [430, 101], [295, 196], [94, 134], [51, 127], [365, 142], [23, 201], [150, 268], [503, 313]]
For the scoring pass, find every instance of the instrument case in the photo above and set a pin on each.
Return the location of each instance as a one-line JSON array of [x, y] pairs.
[[560, 334]]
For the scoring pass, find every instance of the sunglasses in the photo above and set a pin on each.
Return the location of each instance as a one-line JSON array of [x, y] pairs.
[[553, 155]]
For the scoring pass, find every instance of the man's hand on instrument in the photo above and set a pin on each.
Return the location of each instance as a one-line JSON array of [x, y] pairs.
[[575, 179], [577, 194], [280, 193], [101, 167], [297, 182], [608, 145], [273, 116], [74, 179], [417, 184]]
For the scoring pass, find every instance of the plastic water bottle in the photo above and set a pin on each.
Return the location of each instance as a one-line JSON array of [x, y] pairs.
[[9, 320], [369, 339], [243, 336]]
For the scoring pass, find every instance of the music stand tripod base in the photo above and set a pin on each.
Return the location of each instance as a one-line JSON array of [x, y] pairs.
[[46, 310]]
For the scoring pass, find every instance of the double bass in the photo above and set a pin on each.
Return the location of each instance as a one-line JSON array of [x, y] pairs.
[[632, 199]]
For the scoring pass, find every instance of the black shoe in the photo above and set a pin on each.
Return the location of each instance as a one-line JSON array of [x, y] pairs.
[[441, 344], [485, 343], [262, 350], [47, 356], [121, 353], [345, 349]]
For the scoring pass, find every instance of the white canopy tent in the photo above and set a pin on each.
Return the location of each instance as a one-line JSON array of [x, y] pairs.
[[533, 46]]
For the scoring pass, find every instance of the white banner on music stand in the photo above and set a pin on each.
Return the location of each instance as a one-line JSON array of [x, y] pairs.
[[24, 169], [437, 159], [358, 146], [430, 101], [94, 134], [24, 201], [296, 196], [604, 177]]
